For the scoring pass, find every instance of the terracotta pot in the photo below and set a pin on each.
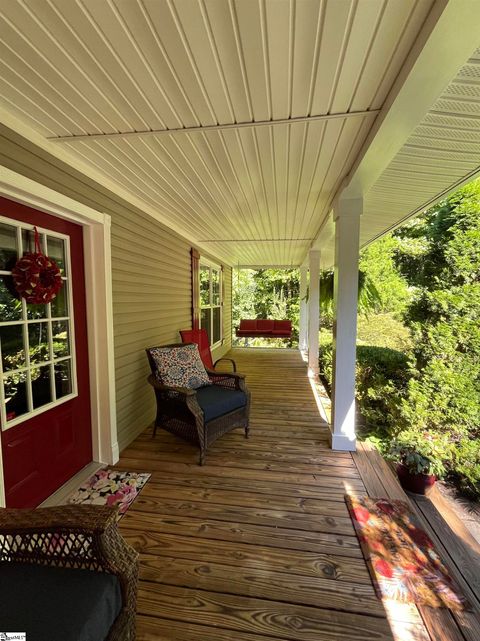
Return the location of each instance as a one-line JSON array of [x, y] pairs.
[[416, 483]]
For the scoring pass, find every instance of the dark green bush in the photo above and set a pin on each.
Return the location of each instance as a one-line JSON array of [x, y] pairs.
[[382, 375]]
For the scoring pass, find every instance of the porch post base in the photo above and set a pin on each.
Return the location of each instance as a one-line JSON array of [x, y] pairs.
[[343, 443]]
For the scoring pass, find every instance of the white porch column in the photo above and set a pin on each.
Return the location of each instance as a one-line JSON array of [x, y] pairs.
[[313, 311], [346, 215], [302, 338]]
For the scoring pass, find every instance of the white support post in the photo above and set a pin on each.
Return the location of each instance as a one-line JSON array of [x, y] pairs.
[[302, 338], [346, 215], [313, 312]]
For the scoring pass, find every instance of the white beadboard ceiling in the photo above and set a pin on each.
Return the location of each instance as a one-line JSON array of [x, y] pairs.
[[251, 195]]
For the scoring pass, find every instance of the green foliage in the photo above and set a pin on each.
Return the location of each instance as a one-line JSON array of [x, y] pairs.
[[369, 299], [383, 330], [440, 258], [381, 381], [377, 261], [421, 453]]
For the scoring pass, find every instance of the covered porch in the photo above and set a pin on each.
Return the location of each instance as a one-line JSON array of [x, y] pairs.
[[258, 544]]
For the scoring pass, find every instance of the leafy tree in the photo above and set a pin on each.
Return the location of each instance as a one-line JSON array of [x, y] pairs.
[[439, 256]]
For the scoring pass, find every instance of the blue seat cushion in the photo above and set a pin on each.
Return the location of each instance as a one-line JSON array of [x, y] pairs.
[[216, 401], [50, 603]]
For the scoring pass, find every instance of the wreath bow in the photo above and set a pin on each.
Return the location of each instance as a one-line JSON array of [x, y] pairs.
[[37, 278]]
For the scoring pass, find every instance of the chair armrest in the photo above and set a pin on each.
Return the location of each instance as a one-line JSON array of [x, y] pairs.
[[227, 379], [230, 360], [183, 391]]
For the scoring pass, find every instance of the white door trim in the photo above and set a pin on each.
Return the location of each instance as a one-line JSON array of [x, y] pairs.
[[98, 289]]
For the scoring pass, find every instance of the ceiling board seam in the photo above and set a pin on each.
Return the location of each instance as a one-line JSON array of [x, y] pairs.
[[318, 39], [274, 170], [17, 109], [266, 57], [218, 127], [145, 61], [239, 183], [17, 90], [46, 60], [291, 55], [341, 58], [206, 207], [143, 196], [242, 152], [262, 176], [191, 59], [35, 73], [389, 65], [241, 56], [119, 61], [159, 193], [341, 176], [214, 48], [226, 182], [171, 185], [163, 51], [449, 114], [214, 182], [110, 102], [368, 52]]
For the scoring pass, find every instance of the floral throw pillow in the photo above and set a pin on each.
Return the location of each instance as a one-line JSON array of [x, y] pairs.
[[180, 366]]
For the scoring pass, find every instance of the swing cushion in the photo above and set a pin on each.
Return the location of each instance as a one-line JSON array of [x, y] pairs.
[[265, 328]]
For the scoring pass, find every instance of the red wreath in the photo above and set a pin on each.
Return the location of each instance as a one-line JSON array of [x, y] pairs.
[[37, 278]]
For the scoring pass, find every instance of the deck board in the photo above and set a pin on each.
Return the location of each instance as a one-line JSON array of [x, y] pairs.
[[257, 545]]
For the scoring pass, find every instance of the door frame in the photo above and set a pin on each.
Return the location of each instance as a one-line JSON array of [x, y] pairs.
[[98, 289]]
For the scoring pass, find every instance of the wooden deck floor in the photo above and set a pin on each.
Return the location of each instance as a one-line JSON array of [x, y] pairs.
[[257, 545]]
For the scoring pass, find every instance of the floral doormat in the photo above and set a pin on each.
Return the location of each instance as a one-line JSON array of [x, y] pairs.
[[110, 487], [400, 555]]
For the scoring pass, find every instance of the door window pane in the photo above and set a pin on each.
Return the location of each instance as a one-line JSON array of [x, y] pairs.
[[38, 342], [63, 378], [41, 390], [56, 250], [12, 347], [15, 391], [58, 305], [217, 334], [61, 340], [8, 247], [35, 312], [10, 304]]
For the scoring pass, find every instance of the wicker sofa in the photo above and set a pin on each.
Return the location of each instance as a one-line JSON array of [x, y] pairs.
[[66, 573], [202, 415]]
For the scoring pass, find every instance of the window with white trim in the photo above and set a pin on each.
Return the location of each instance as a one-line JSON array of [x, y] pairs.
[[37, 359], [211, 302]]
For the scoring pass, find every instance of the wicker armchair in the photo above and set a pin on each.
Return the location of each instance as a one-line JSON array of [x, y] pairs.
[[74, 537], [180, 411]]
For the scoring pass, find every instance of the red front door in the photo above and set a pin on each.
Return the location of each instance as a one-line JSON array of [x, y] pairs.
[[44, 382]]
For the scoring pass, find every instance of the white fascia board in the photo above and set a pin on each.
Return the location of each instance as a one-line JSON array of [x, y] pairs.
[[22, 129], [448, 38]]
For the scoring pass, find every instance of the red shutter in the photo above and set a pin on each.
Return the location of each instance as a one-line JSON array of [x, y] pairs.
[[195, 288]]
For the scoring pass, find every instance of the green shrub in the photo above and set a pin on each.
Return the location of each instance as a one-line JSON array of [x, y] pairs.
[[381, 378], [421, 453]]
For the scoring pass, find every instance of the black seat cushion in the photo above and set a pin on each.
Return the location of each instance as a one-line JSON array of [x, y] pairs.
[[216, 401], [58, 604]]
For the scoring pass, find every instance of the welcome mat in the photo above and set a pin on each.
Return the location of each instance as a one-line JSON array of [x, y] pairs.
[[110, 487], [401, 556]]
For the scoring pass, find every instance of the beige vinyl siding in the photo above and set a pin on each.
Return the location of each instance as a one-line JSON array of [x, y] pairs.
[[151, 271]]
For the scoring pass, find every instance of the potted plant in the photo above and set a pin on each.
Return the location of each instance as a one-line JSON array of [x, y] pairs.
[[420, 459]]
